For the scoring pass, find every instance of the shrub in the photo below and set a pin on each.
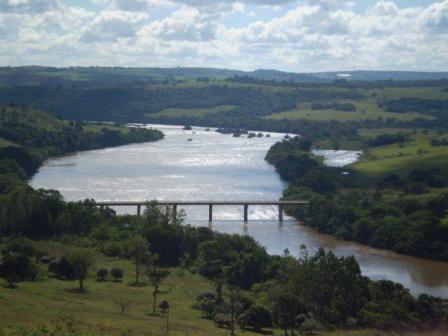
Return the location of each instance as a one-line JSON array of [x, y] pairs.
[[222, 320], [102, 274], [164, 306], [257, 317], [17, 267], [117, 273], [63, 269]]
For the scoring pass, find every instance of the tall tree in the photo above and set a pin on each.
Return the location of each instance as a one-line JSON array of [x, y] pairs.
[[138, 250], [156, 276], [81, 261]]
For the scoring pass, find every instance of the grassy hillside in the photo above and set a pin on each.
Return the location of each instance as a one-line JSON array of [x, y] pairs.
[[36, 75], [56, 304], [402, 158], [365, 110], [30, 136], [97, 311]]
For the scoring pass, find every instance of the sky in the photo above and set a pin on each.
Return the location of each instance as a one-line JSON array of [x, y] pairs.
[[287, 35]]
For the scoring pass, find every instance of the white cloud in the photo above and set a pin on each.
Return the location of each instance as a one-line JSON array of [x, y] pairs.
[[312, 35], [112, 25], [435, 17], [25, 6]]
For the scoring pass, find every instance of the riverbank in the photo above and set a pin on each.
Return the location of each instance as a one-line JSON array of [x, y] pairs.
[[392, 215], [28, 137]]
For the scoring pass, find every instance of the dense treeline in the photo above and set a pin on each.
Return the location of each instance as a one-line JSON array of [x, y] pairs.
[[427, 106], [34, 136], [372, 216], [135, 102]]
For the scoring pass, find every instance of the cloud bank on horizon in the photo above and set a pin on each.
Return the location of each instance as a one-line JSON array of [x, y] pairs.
[[290, 35]]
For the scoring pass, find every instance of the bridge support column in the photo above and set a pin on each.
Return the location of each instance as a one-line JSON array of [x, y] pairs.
[[210, 212], [280, 212], [246, 207], [174, 211], [139, 210]]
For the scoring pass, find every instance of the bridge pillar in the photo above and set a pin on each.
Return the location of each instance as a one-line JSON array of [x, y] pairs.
[[280, 212], [174, 211], [246, 207], [139, 210], [210, 212]]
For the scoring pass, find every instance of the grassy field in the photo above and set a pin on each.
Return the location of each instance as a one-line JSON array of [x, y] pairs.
[[34, 118], [197, 112], [417, 92], [6, 143], [365, 110], [39, 303], [49, 302], [401, 159]]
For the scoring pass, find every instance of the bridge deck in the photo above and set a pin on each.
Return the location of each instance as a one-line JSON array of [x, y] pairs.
[[143, 203]]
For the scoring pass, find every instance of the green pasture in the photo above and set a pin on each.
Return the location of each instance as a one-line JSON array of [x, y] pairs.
[[196, 112], [6, 143], [365, 110], [50, 302], [402, 158]]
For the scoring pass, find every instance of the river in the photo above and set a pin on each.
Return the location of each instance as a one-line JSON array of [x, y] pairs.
[[205, 165]]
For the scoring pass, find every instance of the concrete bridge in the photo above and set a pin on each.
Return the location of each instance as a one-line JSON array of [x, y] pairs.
[[210, 204]]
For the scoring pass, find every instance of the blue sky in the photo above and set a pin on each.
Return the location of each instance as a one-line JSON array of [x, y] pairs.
[[290, 35]]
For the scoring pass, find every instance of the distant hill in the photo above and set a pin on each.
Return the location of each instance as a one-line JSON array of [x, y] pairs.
[[100, 76]]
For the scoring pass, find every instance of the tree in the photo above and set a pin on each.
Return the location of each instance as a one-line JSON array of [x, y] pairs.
[[63, 269], [286, 306], [235, 307], [17, 267], [257, 317], [117, 273], [81, 261], [156, 277], [165, 306], [102, 274], [138, 250], [215, 272]]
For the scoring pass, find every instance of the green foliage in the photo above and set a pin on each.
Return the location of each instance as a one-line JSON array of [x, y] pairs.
[[117, 273], [102, 274], [17, 267], [63, 269], [257, 317], [81, 261]]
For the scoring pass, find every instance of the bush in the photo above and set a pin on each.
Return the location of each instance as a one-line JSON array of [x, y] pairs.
[[117, 273], [113, 249], [257, 317], [206, 296], [223, 321], [102, 274], [17, 267], [63, 269], [309, 326], [164, 306]]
